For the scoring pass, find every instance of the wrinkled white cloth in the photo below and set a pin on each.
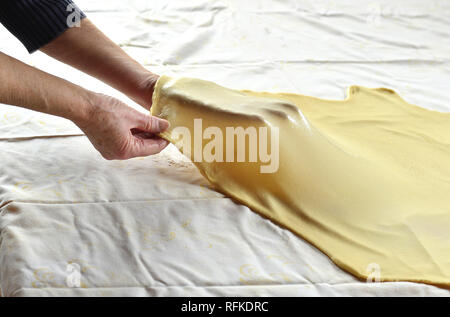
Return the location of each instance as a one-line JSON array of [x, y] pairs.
[[73, 224]]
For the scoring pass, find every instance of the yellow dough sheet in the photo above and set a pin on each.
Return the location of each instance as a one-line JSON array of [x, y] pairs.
[[366, 179]]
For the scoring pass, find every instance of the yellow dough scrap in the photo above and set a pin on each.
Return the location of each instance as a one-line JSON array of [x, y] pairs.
[[366, 179]]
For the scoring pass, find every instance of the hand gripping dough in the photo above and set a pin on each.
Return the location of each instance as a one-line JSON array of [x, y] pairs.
[[366, 180]]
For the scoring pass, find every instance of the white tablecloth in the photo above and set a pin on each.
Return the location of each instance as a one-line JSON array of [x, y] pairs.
[[152, 226]]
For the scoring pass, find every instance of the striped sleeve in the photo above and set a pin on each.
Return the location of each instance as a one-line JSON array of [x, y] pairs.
[[37, 22]]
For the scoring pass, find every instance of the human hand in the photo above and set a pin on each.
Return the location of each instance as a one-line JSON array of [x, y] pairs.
[[144, 89], [120, 132]]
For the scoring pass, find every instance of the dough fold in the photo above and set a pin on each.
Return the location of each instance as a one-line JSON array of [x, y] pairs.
[[366, 179]]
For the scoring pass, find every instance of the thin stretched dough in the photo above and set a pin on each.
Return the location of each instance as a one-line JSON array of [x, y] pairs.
[[366, 179]]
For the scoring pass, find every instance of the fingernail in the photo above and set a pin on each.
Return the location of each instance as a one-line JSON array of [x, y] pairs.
[[163, 125]]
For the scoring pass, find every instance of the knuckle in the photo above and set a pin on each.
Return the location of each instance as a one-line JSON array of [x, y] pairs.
[[149, 124], [121, 155], [121, 152]]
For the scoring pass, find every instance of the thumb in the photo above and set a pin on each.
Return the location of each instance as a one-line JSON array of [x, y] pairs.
[[151, 124], [145, 147]]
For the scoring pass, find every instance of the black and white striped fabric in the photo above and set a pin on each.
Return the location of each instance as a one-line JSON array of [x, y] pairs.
[[37, 22]]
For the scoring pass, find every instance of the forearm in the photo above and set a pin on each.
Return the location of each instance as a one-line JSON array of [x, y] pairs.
[[89, 50], [28, 87]]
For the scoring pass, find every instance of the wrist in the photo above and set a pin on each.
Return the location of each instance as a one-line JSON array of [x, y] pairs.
[[145, 90], [85, 109]]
